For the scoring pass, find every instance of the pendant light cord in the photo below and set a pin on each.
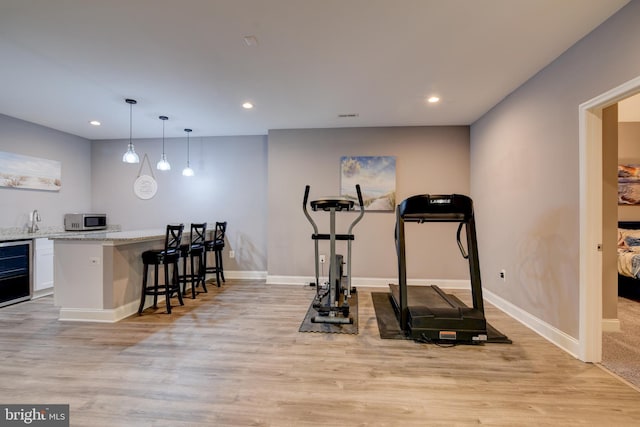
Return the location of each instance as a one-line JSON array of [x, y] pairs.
[[146, 160]]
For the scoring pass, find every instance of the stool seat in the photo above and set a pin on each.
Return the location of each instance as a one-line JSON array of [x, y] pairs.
[[212, 245], [187, 249], [160, 256], [168, 258]]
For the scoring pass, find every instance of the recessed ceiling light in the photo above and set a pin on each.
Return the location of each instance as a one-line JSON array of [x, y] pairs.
[[95, 123], [247, 105], [433, 99]]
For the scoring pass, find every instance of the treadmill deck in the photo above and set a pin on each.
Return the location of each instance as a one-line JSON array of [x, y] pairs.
[[434, 315]]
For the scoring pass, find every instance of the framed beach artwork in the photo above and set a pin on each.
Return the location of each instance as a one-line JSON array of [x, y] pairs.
[[26, 172], [629, 184], [377, 178]]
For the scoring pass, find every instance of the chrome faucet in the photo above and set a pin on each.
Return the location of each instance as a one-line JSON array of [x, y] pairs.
[[34, 219]]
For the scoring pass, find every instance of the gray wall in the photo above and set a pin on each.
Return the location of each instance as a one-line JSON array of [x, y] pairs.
[[428, 160], [230, 184], [74, 153], [524, 172]]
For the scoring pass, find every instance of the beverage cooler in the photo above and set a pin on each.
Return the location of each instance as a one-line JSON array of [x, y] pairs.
[[15, 271]]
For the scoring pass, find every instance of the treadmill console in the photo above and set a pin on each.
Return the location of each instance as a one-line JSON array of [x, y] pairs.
[[436, 207]]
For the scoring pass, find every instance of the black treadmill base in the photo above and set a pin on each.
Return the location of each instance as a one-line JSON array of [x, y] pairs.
[[435, 316], [389, 327]]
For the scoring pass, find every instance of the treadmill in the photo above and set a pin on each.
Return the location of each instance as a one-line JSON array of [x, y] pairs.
[[426, 313]]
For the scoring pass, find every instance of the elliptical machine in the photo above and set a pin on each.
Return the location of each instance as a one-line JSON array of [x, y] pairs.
[[332, 298]]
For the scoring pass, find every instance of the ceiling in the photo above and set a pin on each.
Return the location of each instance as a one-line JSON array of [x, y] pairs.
[[66, 62]]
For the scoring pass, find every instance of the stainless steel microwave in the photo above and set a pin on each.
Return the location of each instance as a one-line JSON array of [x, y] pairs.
[[83, 222]]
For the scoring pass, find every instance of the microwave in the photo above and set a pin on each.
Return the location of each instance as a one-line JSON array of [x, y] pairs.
[[83, 222]]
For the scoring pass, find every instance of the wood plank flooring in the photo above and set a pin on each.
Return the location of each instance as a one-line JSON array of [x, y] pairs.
[[234, 357]]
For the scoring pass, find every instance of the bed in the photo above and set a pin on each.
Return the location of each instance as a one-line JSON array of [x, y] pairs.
[[629, 258]]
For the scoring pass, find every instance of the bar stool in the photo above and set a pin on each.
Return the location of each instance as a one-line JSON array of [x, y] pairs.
[[195, 252], [167, 257], [216, 245]]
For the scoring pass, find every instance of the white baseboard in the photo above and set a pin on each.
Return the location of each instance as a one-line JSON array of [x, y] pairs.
[[98, 315], [241, 275], [542, 328], [610, 325], [42, 293]]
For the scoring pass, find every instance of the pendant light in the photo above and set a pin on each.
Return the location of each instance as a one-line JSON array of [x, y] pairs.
[[163, 164], [130, 156], [187, 171]]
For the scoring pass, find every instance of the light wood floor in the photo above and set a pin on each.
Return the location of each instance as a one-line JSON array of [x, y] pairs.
[[234, 357]]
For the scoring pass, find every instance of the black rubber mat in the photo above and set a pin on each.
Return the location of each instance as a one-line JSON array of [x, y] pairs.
[[351, 328], [389, 327]]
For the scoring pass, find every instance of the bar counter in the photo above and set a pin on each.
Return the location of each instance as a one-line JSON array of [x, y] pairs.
[[98, 275]]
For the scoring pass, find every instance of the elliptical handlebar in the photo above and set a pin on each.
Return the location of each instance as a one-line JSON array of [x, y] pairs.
[[361, 203], [306, 212]]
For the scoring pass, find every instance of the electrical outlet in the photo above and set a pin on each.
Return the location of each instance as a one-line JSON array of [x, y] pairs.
[[323, 259], [503, 275], [232, 254]]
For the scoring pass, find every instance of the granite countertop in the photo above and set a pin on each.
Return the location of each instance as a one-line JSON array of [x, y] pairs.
[[16, 233], [111, 234], [114, 236]]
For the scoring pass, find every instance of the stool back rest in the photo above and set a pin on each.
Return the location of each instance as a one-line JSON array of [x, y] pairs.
[[198, 234], [173, 238], [221, 229]]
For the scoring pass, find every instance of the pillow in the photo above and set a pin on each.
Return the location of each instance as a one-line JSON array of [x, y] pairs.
[[628, 238]]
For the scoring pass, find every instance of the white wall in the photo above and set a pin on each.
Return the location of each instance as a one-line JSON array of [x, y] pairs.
[[230, 184], [428, 160], [74, 154], [524, 172]]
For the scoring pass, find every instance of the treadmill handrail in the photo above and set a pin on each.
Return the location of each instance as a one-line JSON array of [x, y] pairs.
[[464, 253]]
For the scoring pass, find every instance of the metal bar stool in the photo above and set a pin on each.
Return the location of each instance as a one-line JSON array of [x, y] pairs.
[[216, 245], [194, 251], [167, 257]]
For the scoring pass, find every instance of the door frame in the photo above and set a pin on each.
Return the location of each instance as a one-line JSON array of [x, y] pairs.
[[590, 222]]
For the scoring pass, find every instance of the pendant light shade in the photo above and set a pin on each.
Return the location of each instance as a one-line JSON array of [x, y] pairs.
[[187, 171], [130, 156], [163, 164]]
